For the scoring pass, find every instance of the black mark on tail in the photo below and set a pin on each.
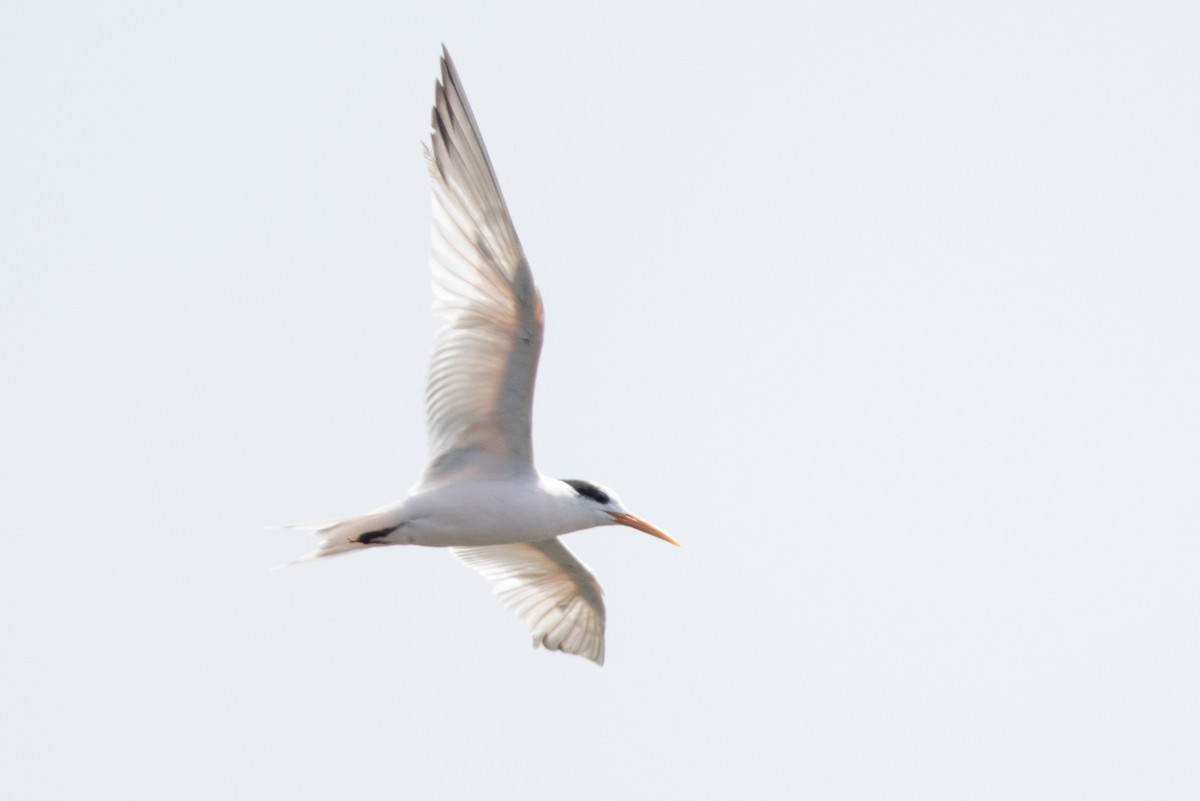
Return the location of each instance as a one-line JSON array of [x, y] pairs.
[[370, 537]]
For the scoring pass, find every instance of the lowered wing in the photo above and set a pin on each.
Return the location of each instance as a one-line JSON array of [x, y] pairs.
[[550, 590]]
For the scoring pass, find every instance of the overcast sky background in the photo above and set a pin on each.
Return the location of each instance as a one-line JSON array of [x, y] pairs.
[[889, 312]]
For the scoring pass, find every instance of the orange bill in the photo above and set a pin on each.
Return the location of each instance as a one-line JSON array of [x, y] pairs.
[[633, 521]]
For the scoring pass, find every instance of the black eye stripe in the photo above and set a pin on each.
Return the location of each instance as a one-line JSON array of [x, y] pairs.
[[587, 489]]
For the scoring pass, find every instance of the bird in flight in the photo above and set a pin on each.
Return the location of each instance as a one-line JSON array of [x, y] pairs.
[[480, 494]]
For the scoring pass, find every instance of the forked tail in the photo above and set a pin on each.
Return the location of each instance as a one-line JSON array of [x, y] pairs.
[[343, 536]]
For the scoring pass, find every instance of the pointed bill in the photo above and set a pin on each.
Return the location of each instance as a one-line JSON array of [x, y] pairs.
[[633, 521]]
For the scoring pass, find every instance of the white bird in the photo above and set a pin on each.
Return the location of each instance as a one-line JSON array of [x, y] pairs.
[[480, 495]]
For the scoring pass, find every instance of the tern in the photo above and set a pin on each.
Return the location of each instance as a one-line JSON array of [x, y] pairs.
[[480, 494]]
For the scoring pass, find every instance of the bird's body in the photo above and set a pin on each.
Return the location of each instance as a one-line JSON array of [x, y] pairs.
[[480, 494], [469, 514]]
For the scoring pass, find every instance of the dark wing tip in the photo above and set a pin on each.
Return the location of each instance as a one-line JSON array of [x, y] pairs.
[[449, 72]]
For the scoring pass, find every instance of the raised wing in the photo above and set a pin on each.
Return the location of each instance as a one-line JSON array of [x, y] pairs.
[[479, 395], [550, 590]]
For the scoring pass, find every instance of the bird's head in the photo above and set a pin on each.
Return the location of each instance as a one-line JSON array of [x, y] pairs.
[[606, 509]]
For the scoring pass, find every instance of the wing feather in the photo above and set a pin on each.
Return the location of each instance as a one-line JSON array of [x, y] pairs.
[[550, 590], [479, 395]]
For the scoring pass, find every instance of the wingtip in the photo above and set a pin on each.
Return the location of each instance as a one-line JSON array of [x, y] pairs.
[[539, 642]]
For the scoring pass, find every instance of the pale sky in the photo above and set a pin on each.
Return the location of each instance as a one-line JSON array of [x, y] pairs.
[[888, 312]]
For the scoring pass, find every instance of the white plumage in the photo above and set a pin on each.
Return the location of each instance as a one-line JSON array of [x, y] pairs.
[[480, 494]]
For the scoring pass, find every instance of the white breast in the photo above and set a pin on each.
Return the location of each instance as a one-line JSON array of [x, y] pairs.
[[478, 513]]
